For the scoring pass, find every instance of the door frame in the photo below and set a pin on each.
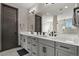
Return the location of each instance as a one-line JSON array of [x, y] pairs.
[[2, 4]]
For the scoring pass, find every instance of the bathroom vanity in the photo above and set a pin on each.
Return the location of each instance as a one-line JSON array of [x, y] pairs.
[[50, 46]]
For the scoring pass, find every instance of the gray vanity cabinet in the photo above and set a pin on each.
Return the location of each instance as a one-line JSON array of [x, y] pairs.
[[78, 50], [29, 48], [23, 41], [43, 47], [63, 49], [41, 50], [49, 51], [46, 47], [63, 53], [34, 47], [34, 50], [45, 50]]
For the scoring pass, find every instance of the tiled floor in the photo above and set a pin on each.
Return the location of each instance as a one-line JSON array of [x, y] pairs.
[[11, 52]]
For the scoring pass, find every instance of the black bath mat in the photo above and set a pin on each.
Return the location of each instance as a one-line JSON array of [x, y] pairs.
[[22, 52]]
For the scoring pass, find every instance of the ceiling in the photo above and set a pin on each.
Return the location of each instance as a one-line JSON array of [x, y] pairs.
[[57, 8], [54, 9], [23, 5]]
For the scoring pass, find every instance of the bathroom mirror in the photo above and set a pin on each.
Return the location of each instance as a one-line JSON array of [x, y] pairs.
[[57, 17]]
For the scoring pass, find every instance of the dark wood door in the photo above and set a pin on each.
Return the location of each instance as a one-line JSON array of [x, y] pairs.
[[38, 25], [9, 27]]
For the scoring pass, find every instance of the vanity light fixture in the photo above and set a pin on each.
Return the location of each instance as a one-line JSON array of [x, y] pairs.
[[33, 10]]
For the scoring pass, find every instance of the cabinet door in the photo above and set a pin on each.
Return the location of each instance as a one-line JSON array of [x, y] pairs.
[[25, 42], [45, 50], [63, 53], [78, 50], [40, 51], [21, 40], [29, 43], [49, 51], [34, 48]]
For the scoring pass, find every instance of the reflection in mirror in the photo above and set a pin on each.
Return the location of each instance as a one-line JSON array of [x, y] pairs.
[[68, 27], [57, 17], [68, 23]]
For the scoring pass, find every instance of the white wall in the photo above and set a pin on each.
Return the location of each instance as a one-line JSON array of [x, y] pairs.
[[31, 23], [23, 17]]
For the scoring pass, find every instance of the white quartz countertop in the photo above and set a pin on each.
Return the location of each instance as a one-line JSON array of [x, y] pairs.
[[72, 39]]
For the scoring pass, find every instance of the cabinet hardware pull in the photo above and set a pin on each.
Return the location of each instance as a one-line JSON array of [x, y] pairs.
[[24, 40], [33, 44], [34, 53], [28, 42], [44, 49], [34, 39], [64, 47]]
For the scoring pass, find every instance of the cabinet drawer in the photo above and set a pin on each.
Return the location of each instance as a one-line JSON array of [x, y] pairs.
[[34, 43], [34, 48], [34, 39], [47, 42], [63, 53], [45, 50], [66, 47], [29, 47], [28, 40]]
